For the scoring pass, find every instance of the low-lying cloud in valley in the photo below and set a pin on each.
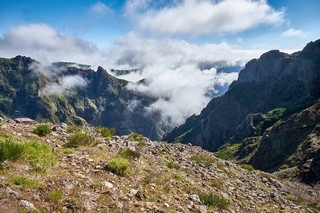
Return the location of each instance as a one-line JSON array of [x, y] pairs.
[[58, 83]]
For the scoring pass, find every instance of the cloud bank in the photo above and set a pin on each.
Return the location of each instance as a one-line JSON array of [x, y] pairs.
[[173, 72], [202, 17]]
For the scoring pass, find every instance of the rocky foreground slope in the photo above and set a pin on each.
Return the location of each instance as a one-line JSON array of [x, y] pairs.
[[55, 173]]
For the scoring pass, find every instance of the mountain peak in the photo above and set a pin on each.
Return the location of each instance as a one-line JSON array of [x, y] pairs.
[[312, 48]]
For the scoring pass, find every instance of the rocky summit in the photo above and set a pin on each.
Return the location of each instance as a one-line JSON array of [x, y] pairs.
[[61, 168]]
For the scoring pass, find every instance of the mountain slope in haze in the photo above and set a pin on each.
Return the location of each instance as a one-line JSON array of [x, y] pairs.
[[65, 92], [259, 112]]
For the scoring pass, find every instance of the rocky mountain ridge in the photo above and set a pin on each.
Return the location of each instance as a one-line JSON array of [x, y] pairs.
[[238, 122], [65, 92], [161, 177]]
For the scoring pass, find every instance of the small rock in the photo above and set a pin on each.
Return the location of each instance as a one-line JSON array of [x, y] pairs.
[[107, 184], [25, 121], [202, 208], [166, 205], [195, 198], [64, 126], [27, 205], [156, 209], [163, 197], [120, 205], [264, 180], [148, 205], [133, 192], [12, 193]]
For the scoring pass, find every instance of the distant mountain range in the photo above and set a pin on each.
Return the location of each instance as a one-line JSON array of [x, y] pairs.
[[72, 93], [269, 117]]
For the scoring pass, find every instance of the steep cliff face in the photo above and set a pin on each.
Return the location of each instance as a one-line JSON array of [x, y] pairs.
[[101, 99], [292, 146], [276, 80]]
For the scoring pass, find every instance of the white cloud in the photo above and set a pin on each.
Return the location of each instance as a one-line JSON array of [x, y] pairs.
[[172, 72], [202, 17], [60, 84], [294, 33], [65, 85], [100, 8], [45, 44]]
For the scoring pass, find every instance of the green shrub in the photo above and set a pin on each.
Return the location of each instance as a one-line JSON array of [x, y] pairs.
[[42, 130], [212, 200], [107, 133], [173, 165], [55, 195], [10, 150], [39, 155], [73, 129], [247, 167], [203, 158], [136, 137], [80, 139], [118, 166], [129, 154]]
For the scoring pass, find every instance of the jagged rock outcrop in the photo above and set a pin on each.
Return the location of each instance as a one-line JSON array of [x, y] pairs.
[[161, 177], [27, 90]]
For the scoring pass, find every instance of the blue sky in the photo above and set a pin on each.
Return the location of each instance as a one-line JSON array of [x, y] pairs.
[[170, 41], [75, 18]]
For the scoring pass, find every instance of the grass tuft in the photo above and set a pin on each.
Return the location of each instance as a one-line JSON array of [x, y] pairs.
[[73, 129], [42, 130], [118, 166], [39, 155], [212, 200], [10, 150], [55, 195], [26, 182], [136, 137], [129, 154], [80, 139], [247, 167], [173, 165], [107, 133], [202, 158]]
